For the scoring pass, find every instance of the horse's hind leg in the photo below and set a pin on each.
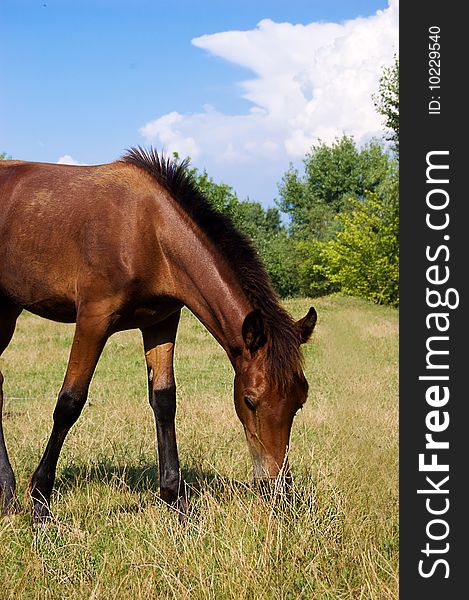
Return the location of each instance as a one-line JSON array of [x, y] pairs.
[[90, 337], [159, 352], [8, 315]]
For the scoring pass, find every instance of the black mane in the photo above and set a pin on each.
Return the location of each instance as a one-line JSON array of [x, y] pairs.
[[284, 353]]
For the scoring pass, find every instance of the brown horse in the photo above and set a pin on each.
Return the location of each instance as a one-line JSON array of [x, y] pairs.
[[126, 245]]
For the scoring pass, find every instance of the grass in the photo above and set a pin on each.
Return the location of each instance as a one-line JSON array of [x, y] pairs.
[[113, 537]]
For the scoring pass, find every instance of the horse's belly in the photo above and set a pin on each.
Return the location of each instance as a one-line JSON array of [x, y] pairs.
[[140, 318], [56, 310], [60, 309], [49, 295]]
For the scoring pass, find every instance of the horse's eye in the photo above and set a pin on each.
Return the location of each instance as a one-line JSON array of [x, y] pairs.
[[249, 402]]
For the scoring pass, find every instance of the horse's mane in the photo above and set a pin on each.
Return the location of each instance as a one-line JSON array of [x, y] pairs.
[[283, 353]]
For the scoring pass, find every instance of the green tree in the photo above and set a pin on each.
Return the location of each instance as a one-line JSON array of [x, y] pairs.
[[311, 269], [257, 222], [337, 179], [332, 175], [387, 102], [363, 260], [220, 195], [280, 257]]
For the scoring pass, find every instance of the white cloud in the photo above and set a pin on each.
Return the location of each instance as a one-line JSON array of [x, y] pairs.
[[167, 131], [66, 159], [312, 82]]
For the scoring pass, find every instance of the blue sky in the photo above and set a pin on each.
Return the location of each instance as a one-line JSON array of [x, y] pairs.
[[243, 87]]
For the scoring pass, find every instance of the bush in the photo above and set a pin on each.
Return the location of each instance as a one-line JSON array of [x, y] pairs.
[[279, 255], [364, 258], [311, 269]]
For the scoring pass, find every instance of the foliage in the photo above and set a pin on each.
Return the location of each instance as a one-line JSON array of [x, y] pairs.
[[257, 222], [4, 156], [327, 206], [313, 280], [281, 259], [364, 258], [332, 175], [220, 195], [387, 102]]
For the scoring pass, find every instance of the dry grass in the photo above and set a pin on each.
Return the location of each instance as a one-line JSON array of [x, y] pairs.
[[336, 539]]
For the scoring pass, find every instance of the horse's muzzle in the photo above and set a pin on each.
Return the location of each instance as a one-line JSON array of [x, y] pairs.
[[281, 486]]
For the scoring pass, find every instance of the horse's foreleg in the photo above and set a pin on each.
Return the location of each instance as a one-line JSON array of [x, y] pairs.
[[159, 352], [8, 315], [89, 340]]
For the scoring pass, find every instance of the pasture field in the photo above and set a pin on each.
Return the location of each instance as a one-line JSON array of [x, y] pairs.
[[112, 538]]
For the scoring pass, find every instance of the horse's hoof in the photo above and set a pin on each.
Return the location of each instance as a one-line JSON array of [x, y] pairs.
[[183, 510], [10, 507], [41, 515]]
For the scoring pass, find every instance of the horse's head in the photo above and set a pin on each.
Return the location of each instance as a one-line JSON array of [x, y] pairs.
[[266, 402]]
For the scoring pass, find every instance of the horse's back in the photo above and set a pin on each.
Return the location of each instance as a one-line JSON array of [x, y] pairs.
[[66, 228]]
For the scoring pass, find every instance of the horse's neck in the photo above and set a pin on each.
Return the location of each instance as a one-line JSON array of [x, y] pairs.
[[207, 285], [219, 305]]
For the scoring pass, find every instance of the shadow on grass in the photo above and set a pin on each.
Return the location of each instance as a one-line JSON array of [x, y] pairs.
[[140, 478], [143, 478], [143, 481]]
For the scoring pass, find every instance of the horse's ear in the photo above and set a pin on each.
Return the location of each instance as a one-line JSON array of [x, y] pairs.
[[306, 325], [254, 331]]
